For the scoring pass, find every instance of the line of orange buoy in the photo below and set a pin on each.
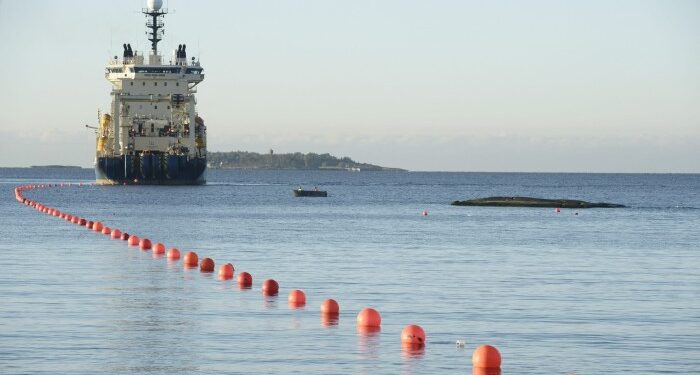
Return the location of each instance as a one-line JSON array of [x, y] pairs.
[[486, 359]]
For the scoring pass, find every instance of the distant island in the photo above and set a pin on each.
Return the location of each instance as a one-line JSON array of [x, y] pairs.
[[57, 166], [294, 161]]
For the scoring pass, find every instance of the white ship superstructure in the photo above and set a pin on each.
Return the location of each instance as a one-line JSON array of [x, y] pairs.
[[152, 134]]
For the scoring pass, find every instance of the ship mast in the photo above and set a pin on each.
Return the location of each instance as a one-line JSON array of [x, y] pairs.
[[154, 21]]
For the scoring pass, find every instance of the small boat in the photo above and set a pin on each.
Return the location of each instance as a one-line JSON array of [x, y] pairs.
[[309, 193]]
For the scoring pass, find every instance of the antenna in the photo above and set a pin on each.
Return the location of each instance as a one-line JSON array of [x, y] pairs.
[[154, 21]]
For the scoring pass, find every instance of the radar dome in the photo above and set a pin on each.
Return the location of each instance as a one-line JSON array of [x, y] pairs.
[[154, 4]]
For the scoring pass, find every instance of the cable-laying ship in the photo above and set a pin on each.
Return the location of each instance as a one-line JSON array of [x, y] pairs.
[[152, 134]]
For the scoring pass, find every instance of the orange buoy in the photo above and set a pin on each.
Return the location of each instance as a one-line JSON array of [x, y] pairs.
[[125, 236], [134, 240], [330, 306], [413, 335], [173, 254], [116, 234], [145, 244], [369, 317], [557, 210], [270, 287], [245, 280], [226, 272], [206, 265], [486, 356], [82, 222], [191, 259], [107, 230], [97, 226], [158, 248], [486, 371], [425, 213], [75, 220], [296, 298]]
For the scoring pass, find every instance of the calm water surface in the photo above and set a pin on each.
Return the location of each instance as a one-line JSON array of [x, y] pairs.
[[607, 291]]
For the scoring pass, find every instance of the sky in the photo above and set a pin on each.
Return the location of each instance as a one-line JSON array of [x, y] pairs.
[[432, 85]]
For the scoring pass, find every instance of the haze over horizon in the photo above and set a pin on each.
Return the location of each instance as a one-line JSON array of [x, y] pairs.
[[540, 86]]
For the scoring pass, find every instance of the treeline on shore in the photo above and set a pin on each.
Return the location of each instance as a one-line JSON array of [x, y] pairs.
[[297, 160]]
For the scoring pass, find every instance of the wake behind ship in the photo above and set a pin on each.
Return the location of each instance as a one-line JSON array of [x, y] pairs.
[[152, 134]]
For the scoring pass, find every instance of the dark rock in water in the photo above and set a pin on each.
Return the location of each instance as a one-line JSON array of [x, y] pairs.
[[533, 202]]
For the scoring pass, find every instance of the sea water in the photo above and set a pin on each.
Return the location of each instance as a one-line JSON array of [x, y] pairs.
[[596, 291]]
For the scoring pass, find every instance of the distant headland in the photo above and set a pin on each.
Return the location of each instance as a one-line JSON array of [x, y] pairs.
[[57, 166], [293, 161]]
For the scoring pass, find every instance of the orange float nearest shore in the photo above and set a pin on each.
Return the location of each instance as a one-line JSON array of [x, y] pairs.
[[486, 356]]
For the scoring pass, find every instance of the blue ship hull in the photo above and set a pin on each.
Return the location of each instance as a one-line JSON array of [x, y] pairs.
[[151, 169]]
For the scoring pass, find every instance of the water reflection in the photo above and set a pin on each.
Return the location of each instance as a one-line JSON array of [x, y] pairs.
[[224, 285], [148, 322], [330, 320], [409, 351], [368, 342], [189, 272], [173, 265], [270, 302]]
